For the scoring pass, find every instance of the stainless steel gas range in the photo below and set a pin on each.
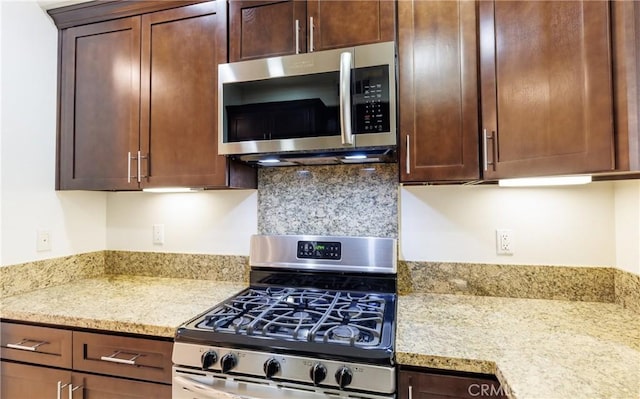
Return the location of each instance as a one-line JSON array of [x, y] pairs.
[[317, 321]]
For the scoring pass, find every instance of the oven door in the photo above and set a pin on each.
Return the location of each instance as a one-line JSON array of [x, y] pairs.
[[196, 384]]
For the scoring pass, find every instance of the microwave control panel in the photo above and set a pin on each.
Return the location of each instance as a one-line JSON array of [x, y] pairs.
[[370, 98]]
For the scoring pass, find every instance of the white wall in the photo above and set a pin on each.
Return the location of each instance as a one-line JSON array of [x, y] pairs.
[[77, 220], [627, 218], [552, 226], [210, 222], [597, 224]]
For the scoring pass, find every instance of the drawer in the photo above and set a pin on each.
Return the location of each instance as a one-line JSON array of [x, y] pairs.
[[139, 358], [44, 346]]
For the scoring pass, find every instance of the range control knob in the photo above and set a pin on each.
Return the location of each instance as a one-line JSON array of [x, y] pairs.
[[208, 359], [318, 373], [271, 367], [228, 362], [344, 376]]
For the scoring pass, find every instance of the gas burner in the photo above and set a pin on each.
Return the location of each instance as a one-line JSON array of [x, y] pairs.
[[343, 334], [302, 315], [240, 321], [350, 311]]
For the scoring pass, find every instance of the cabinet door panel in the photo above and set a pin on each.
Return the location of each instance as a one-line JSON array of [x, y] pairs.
[[99, 387], [340, 23], [100, 88], [181, 49], [438, 91], [266, 28], [428, 385], [20, 381], [550, 82]]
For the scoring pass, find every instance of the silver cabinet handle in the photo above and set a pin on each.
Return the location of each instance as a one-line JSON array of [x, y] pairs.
[[311, 34], [20, 345], [408, 158], [138, 158], [485, 149], [114, 359], [345, 98], [60, 386], [139, 166], [129, 167], [410, 392], [72, 389], [297, 28]]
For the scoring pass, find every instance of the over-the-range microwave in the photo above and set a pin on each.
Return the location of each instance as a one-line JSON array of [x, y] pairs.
[[333, 106]]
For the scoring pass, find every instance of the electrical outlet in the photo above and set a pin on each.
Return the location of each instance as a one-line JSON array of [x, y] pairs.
[[504, 242], [43, 240], [158, 234]]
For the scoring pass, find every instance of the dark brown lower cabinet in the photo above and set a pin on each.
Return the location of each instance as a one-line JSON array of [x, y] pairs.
[[21, 381], [414, 383], [47, 362]]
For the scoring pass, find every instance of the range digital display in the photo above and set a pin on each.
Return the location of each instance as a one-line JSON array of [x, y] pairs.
[[319, 250]]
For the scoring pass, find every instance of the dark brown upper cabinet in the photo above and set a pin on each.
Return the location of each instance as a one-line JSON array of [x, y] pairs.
[[138, 100], [546, 87], [273, 28], [99, 105], [438, 90], [625, 17], [492, 90]]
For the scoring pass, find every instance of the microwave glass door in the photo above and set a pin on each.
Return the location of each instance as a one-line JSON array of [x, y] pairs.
[[305, 106]]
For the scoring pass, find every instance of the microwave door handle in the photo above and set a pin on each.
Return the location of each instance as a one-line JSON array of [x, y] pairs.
[[345, 98]]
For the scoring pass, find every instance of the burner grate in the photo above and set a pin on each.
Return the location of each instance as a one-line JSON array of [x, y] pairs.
[[344, 318]]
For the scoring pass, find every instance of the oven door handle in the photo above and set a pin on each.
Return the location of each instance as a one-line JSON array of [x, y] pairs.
[[206, 391]]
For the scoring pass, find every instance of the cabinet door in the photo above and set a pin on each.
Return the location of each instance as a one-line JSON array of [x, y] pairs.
[[339, 23], [546, 87], [266, 28], [20, 381], [99, 105], [428, 385], [438, 91], [91, 386], [181, 49]]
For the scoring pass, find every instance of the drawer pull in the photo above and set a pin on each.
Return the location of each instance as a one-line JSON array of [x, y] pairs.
[[20, 345], [114, 359]]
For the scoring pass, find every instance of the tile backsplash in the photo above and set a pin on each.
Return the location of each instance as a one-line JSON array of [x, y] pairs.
[[348, 200]]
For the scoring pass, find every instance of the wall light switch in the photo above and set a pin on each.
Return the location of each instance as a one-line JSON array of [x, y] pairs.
[[43, 240]]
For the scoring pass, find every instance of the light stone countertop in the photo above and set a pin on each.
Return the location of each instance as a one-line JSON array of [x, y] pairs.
[[140, 305], [543, 349]]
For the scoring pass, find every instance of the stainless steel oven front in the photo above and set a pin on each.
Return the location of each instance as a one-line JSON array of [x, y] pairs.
[[316, 322]]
